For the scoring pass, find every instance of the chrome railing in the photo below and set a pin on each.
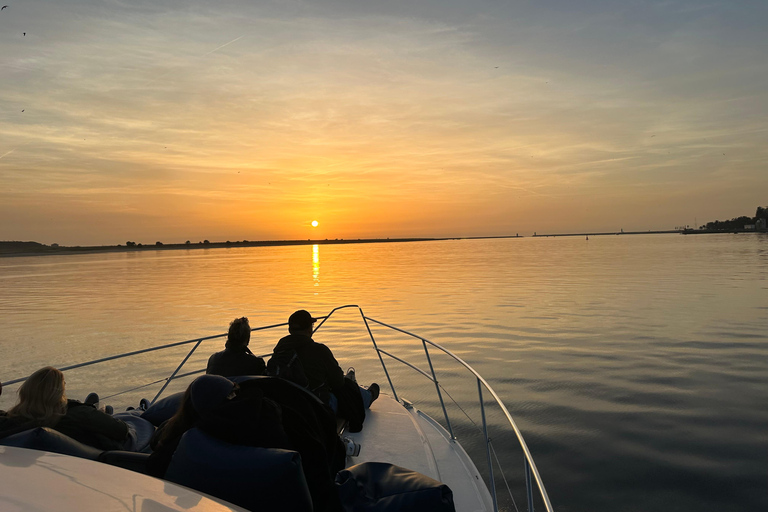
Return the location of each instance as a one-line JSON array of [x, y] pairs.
[[531, 472]]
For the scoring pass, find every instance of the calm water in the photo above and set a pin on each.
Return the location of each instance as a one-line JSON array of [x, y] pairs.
[[636, 366]]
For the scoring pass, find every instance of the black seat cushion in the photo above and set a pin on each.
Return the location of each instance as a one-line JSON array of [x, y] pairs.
[[380, 487], [133, 461], [49, 440]]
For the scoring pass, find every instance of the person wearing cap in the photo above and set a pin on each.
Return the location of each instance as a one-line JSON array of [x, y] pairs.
[[236, 359], [325, 376]]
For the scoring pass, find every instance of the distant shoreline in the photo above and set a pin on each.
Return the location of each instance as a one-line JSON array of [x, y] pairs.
[[593, 233], [670, 231], [11, 249]]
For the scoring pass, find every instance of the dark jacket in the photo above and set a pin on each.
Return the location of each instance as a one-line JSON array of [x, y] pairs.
[[10, 425], [93, 427], [233, 362], [82, 422], [321, 368]]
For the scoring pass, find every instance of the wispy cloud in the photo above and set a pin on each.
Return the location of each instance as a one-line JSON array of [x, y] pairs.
[[285, 110]]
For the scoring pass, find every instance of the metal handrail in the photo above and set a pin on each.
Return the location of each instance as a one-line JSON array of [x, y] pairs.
[[530, 466], [529, 463]]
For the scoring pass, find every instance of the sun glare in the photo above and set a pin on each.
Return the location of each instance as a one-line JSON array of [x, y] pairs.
[[315, 223]]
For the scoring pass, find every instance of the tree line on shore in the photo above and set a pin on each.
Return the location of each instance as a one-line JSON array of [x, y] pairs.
[[739, 223]]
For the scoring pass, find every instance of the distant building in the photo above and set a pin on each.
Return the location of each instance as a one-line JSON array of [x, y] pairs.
[[749, 227], [761, 224]]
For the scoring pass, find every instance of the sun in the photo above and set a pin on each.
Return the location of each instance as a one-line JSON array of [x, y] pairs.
[[315, 223]]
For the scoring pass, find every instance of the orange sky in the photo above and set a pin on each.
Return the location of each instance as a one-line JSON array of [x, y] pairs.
[[231, 120]]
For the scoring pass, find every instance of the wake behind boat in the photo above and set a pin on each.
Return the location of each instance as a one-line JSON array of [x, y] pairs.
[[459, 449]]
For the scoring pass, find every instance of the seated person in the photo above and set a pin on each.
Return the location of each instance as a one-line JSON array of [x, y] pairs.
[[43, 403], [245, 415], [215, 405], [236, 359], [324, 375]]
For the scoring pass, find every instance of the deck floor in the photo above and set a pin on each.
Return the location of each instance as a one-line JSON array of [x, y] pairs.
[[410, 439]]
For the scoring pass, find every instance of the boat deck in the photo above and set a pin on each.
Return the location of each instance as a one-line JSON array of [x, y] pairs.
[[406, 437]]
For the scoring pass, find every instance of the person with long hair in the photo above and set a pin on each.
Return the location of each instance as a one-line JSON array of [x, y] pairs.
[[43, 403], [236, 359]]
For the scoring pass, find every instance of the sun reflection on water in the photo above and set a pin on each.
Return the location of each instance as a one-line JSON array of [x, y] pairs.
[[316, 265]]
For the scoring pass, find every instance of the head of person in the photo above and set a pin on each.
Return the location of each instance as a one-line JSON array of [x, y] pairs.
[[239, 334], [201, 399], [301, 322], [42, 397]]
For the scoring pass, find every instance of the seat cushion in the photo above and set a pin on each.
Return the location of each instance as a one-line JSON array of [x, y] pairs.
[[380, 487], [251, 477], [140, 431], [49, 440], [163, 409]]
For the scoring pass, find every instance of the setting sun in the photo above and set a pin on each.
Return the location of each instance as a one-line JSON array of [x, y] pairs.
[[314, 223]]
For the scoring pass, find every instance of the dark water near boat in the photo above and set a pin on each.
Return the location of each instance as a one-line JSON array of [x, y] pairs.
[[635, 366]]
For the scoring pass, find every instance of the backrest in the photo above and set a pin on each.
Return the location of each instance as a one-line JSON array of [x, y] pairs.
[[253, 478], [48, 440]]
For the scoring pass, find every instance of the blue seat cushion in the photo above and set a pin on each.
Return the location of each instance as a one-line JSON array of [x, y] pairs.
[[140, 431], [251, 477], [163, 409]]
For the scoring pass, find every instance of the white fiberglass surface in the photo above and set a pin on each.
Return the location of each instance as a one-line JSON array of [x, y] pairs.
[[32, 480], [410, 439]]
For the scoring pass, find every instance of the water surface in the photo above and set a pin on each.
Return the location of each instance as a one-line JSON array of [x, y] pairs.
[[636, 366]]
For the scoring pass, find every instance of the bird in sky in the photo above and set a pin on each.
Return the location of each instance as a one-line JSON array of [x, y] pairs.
[[3, 7]]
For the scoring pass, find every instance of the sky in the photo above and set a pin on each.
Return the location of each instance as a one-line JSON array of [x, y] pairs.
[[239, 119]]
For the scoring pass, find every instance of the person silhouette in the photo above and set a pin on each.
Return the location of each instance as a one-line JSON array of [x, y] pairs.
[[236, 359], [324, 375]]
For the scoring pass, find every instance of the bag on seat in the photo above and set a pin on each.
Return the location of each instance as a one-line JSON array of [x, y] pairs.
[[287, 365], [251, 477], [380, 487]]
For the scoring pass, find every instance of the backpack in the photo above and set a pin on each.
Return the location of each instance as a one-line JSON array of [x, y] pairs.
[[287, 365]]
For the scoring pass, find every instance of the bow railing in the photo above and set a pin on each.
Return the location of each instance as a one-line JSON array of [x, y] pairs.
[[484, 390]]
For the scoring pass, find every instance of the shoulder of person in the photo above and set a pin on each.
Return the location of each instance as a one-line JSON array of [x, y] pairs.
[[323, 351]]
